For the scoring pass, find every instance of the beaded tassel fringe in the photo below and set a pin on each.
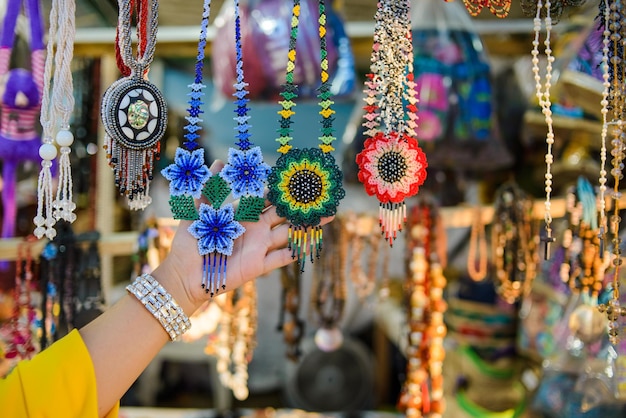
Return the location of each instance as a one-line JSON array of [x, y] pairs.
[[305, 241], [391, 217], [214, 273]]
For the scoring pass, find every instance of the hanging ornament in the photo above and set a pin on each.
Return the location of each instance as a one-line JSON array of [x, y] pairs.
[[57, 104], [20, 103], [391, 165], [306, 184], [133, 110]]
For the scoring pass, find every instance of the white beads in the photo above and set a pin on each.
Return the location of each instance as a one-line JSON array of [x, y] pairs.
[[65, 138], [47, 152]]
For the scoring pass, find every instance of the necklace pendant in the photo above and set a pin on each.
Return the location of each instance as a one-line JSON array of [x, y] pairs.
[[134, 114]]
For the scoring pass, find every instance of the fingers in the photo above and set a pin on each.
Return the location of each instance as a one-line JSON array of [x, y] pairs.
[[277, 259], [216, 167]]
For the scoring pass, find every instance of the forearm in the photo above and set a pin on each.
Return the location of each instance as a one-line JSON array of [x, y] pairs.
[[124, 339]]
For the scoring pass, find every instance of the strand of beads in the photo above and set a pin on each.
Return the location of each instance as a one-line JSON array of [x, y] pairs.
[[617, 69], [604, 103], [543, 97]]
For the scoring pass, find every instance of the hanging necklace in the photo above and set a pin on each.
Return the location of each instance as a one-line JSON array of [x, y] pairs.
[[329, 290], [306, 183], [617, 70], [216, 226], [236, 338], [477, 238], [543, 97], [57, 104], [133, 110], [391, 165], [555, 8], [500, 8], [513, 243], [245, 172], [604, 103]]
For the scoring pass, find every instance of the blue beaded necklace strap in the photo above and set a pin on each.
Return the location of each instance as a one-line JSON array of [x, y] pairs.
[[305, 184], [214, 225], [189, 173], [245, 171]]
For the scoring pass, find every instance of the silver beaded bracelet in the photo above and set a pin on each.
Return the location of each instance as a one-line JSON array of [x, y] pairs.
[[160, 304]]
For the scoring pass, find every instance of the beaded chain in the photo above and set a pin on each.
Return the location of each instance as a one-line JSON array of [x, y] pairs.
[[391, 165], [617, 72], [604, 103], [133, 110], [555, 8], [245, 172], [500, 8], [329, 288], [514, 246], [422, 393], [477, 239], [306, 184], [236, 338], [289, 322], [543, 97]]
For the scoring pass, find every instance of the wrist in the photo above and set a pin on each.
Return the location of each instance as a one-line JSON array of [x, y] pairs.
[[173, 281]]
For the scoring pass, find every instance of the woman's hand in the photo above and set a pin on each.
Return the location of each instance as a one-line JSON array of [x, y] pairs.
[[261, 249]]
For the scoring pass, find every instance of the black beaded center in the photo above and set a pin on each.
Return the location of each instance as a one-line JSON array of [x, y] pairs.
[[305, 186], [392, 166]]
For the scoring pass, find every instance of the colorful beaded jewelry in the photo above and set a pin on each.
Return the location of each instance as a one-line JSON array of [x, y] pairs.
[[133, 110], [216, 226], [391, 165], [305, 184]]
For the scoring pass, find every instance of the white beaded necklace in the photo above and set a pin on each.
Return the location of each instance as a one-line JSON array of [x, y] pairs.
[[57, 105], [543, 96]]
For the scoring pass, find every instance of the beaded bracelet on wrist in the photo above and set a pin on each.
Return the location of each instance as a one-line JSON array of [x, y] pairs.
[[161, 305]]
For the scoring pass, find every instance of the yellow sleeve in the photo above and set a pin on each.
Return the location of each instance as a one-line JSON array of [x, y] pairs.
[[58, 382]]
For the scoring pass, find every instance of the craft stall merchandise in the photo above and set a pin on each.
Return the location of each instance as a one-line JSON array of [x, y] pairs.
[[484, 283]]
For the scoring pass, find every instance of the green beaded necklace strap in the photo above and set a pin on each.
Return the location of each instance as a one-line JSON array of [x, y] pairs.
[[305, 184]]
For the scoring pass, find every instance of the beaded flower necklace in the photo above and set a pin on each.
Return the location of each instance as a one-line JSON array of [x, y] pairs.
[[133, 110], [306, 183], [391, 165], [215, 225]]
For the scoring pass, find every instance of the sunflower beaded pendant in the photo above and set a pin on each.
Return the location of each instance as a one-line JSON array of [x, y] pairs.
[[306, 184]]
